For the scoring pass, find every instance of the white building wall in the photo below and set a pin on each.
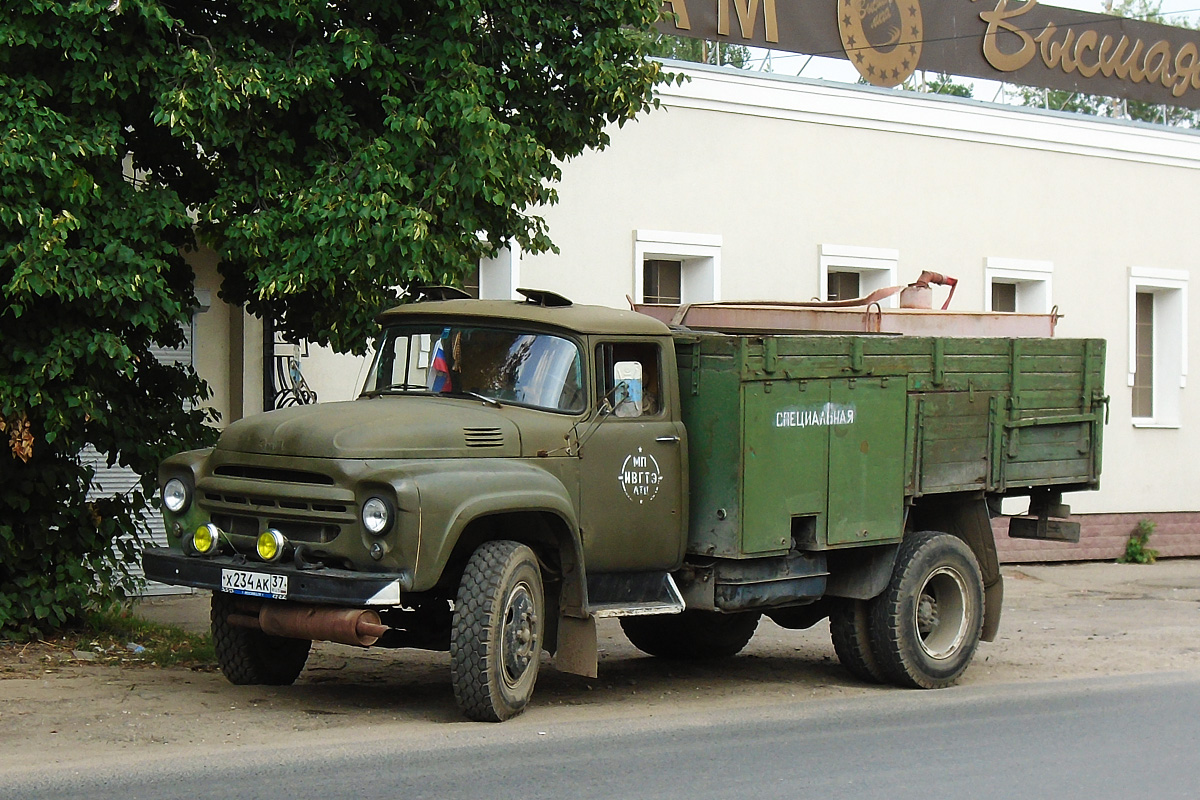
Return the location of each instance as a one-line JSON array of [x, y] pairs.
[[761, 175], [777, 168]]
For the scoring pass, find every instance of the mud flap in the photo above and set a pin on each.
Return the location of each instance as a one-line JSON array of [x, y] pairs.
[[577, 648], [993, 602]]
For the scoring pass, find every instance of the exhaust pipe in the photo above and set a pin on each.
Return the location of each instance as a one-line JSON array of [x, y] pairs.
[[360, 627]]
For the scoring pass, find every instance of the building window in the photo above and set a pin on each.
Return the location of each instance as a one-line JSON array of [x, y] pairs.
[[1020, 285], [1157, 346], [850, 272], [842, 286], [676, 268], [471, 283], [1004, 297], [1143, 355], [662, 281]]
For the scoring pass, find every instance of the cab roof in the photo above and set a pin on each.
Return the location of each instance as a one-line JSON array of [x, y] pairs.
[[577, 318]]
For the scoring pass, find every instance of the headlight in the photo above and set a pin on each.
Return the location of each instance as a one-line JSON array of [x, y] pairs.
[[176, 496], [377, 516]]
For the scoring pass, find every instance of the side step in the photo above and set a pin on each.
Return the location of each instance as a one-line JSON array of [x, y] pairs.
[[628, 594]]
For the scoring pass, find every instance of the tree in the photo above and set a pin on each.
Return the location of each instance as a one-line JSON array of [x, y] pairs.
[[327, 149], [92, 277], [939, 83], [700, 51], [945, 84], [1101, 106]]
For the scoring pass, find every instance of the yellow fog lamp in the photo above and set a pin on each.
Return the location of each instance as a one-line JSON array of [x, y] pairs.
[[207, 539], [271, 545]]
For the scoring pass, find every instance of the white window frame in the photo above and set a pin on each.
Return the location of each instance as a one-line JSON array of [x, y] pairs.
[[698, 253], [1032, 279], [500, 275], [877, 268], [1169, 287]]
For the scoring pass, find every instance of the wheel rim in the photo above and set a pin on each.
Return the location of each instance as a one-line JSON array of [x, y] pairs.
[[941, 613], [519, 634]]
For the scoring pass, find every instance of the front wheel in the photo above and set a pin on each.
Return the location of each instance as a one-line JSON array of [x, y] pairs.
[[497, 631], [250, 657], [927, 623]]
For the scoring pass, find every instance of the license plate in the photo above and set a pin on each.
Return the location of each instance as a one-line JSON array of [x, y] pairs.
[[255, 584]]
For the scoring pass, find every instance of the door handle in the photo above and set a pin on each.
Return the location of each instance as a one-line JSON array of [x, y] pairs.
[[668, 439]]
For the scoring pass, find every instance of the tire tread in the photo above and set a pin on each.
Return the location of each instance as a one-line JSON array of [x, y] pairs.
[[850, 630], [887, 635], [470, 648], [249, 657]]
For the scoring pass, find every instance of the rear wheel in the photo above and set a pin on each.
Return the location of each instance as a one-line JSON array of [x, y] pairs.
[[249, 657], [497, 631], [850, 629], [691, 634], [926, 625]]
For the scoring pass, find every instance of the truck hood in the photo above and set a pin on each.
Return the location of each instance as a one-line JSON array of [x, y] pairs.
[[381, 427]]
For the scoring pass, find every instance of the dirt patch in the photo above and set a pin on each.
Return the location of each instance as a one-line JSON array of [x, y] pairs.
[[1059, 621], [80, 652]]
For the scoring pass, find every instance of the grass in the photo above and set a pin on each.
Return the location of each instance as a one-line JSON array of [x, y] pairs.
[[114, 637], [110, 633]]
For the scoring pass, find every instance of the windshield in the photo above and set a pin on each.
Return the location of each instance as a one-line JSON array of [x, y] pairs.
[[531, 369]]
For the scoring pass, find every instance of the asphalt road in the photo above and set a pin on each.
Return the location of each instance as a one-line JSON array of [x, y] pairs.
[[1125, 737]]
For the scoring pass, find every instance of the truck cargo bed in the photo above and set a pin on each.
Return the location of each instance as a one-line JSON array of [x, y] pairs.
[[822, 441]]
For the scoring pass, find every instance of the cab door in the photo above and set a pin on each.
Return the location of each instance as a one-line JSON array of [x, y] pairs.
[[633, 466]]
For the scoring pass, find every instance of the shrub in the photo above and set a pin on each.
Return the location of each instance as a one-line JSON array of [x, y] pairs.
[[1136, 551]]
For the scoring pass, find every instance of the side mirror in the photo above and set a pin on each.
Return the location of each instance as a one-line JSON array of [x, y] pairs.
[[627, 395]]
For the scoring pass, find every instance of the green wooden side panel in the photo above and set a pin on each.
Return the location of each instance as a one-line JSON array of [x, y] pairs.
[[1048, 453], [953, 433], [866, 462], [711, 400], [785, 469]]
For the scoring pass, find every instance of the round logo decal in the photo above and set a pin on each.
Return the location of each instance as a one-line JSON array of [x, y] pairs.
[[882, 38], [640, 476]]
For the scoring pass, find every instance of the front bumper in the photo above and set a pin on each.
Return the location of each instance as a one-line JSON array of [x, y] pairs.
[[338, 587]]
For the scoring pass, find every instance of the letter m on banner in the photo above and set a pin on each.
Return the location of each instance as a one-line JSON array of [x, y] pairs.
[[747, 14]]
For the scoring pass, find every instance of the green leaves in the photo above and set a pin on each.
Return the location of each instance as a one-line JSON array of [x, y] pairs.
[[355, 147], [328, 150], [92, 279]]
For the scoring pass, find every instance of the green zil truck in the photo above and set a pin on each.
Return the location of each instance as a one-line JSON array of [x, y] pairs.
[[514, 470]]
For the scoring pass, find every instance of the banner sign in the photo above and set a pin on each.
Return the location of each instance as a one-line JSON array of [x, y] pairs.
[[1002, 40]]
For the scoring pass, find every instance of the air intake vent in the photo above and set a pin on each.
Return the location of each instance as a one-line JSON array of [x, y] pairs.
[[483, 437], [273, 474]]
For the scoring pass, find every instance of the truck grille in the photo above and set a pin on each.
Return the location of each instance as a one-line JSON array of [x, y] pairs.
[[296, 531], [272, 502], [483, 437], [305, 506]]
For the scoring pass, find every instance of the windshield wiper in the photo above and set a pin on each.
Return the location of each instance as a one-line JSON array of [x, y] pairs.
[[491, 401], [404, 387]]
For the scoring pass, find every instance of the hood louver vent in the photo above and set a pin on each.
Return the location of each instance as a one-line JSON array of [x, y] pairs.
[[483, 437], [272, 474]]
